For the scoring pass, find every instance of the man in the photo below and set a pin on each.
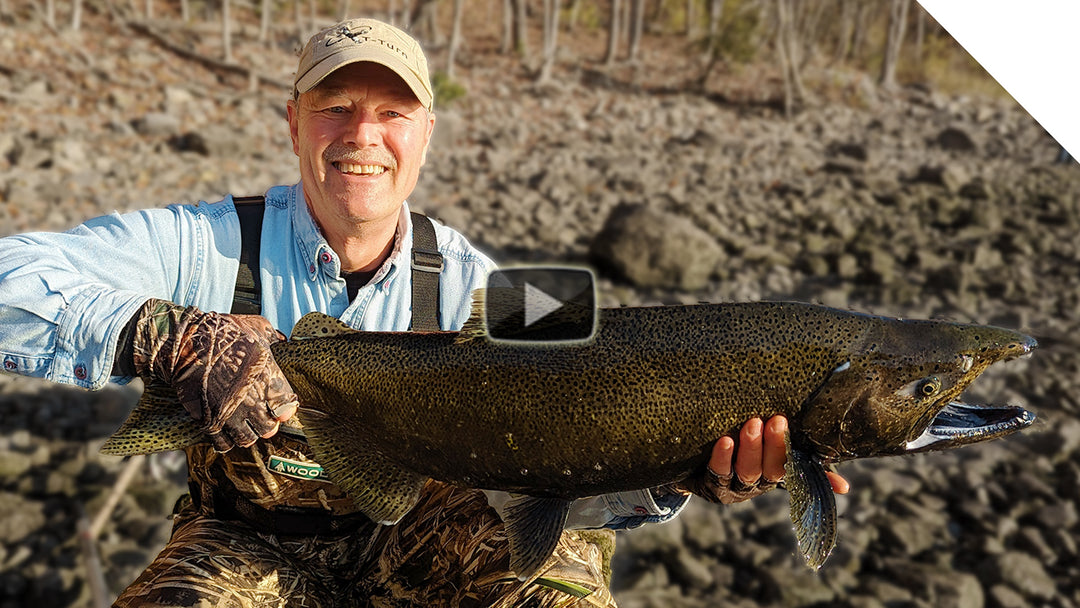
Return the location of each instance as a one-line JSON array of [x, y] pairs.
[[128, 295]]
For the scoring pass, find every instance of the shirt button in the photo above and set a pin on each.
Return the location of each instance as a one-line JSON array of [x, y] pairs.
[[326, 257], [311, 268], [80, 371], [10, 365]]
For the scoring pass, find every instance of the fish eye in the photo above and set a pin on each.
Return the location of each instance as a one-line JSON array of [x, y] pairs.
[[930, 386]]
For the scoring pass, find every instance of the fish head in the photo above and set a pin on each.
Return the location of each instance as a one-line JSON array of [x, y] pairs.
[[897, 391]]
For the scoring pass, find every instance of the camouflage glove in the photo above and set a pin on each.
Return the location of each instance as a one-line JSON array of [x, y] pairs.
[[725, 489], [220, 366]]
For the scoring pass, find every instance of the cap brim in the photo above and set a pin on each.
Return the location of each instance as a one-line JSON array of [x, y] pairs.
[[334, 62]]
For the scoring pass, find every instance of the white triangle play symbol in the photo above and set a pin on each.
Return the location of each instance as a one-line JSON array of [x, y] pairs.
[[538, 304]]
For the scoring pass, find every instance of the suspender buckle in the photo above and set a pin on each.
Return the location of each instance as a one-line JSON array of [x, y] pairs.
[[426, 260]]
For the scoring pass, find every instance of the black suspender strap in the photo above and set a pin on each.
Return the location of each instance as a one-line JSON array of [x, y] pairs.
[[247, 294], [427, 263]]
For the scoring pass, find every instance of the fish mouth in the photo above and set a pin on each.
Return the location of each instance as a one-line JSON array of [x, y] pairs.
[[959, 424]]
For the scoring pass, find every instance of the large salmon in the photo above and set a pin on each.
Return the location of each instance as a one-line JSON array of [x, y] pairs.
[[637, 406]]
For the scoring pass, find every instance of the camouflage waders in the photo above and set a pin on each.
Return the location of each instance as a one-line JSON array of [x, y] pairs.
[[228, 550]]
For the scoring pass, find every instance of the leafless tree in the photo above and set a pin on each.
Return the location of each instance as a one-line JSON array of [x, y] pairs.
[[571, 19], [551, 37], [920, 33], [149, 9], [788, 50], [265, 7], [226, 30], [514, 30], [716, 11], [521, 35], [455, 37], [613, 33], [690, 5], [76, 13], [637, 27], [50, 13], [185, 11], [898, 11]]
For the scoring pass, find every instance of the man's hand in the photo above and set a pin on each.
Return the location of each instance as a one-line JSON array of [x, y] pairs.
[[220, 366], [754, 468]]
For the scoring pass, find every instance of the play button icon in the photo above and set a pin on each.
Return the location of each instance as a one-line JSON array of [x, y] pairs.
[[540, 304]]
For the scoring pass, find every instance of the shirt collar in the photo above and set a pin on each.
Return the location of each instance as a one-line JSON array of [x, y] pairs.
[[318, 254]]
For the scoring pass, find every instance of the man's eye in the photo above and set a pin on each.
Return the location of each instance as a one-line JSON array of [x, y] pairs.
[[393, 114]]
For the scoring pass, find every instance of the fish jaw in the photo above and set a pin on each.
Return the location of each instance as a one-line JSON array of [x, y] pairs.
[[901, 396], [959, 424]]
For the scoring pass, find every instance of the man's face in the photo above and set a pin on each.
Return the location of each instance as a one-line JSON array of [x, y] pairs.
[[362, 137]]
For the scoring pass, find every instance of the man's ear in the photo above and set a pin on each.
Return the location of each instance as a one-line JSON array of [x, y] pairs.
[[292, 111], [427, 137]]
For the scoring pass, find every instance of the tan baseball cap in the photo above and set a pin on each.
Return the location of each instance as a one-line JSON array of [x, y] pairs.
[[358, 40]]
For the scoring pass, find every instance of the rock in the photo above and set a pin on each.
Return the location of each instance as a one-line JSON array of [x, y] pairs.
[[1023, 572], [955, 140], [157, 124], [656, 249], [21, 518], [1002, 596]]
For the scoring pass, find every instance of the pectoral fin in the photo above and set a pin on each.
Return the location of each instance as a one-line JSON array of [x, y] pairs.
[[533, 527], [813, 506], [382, 489], [158, 423]]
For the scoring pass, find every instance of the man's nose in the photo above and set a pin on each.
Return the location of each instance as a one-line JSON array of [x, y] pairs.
[[363, 130]]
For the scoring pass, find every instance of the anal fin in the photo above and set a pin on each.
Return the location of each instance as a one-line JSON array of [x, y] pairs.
[[384, 490], [157, 423], [533, 527], [813, 507]]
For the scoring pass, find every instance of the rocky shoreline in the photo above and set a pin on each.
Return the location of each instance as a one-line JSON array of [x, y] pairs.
[[922, 205]]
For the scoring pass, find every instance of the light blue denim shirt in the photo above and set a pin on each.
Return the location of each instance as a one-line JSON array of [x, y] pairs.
[[65, 297]]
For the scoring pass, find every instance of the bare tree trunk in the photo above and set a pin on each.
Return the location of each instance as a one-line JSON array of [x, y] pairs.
[[406, 14], [846, 21], [226, 30], [716, 11], [551, 37], [264, 19], [613, 33], [344, 10], [787, 51], [313, 17], [920, 33], [455, 37], [571, 21], [298, 20], [76, 13], [637, 26], [50, 13], [149, 9], [185, 11], [690, 4], [521, 32], [507, 27], [425, 21], [858, 39], [898, 10]]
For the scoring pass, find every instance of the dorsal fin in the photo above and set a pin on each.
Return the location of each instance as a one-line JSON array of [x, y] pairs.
[[319, 325], [474, 327]]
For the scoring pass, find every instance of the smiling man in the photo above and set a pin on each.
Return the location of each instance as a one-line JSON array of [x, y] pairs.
[[149, 294]]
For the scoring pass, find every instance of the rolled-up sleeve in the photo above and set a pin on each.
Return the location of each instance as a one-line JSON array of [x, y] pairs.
[[65, 297]]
